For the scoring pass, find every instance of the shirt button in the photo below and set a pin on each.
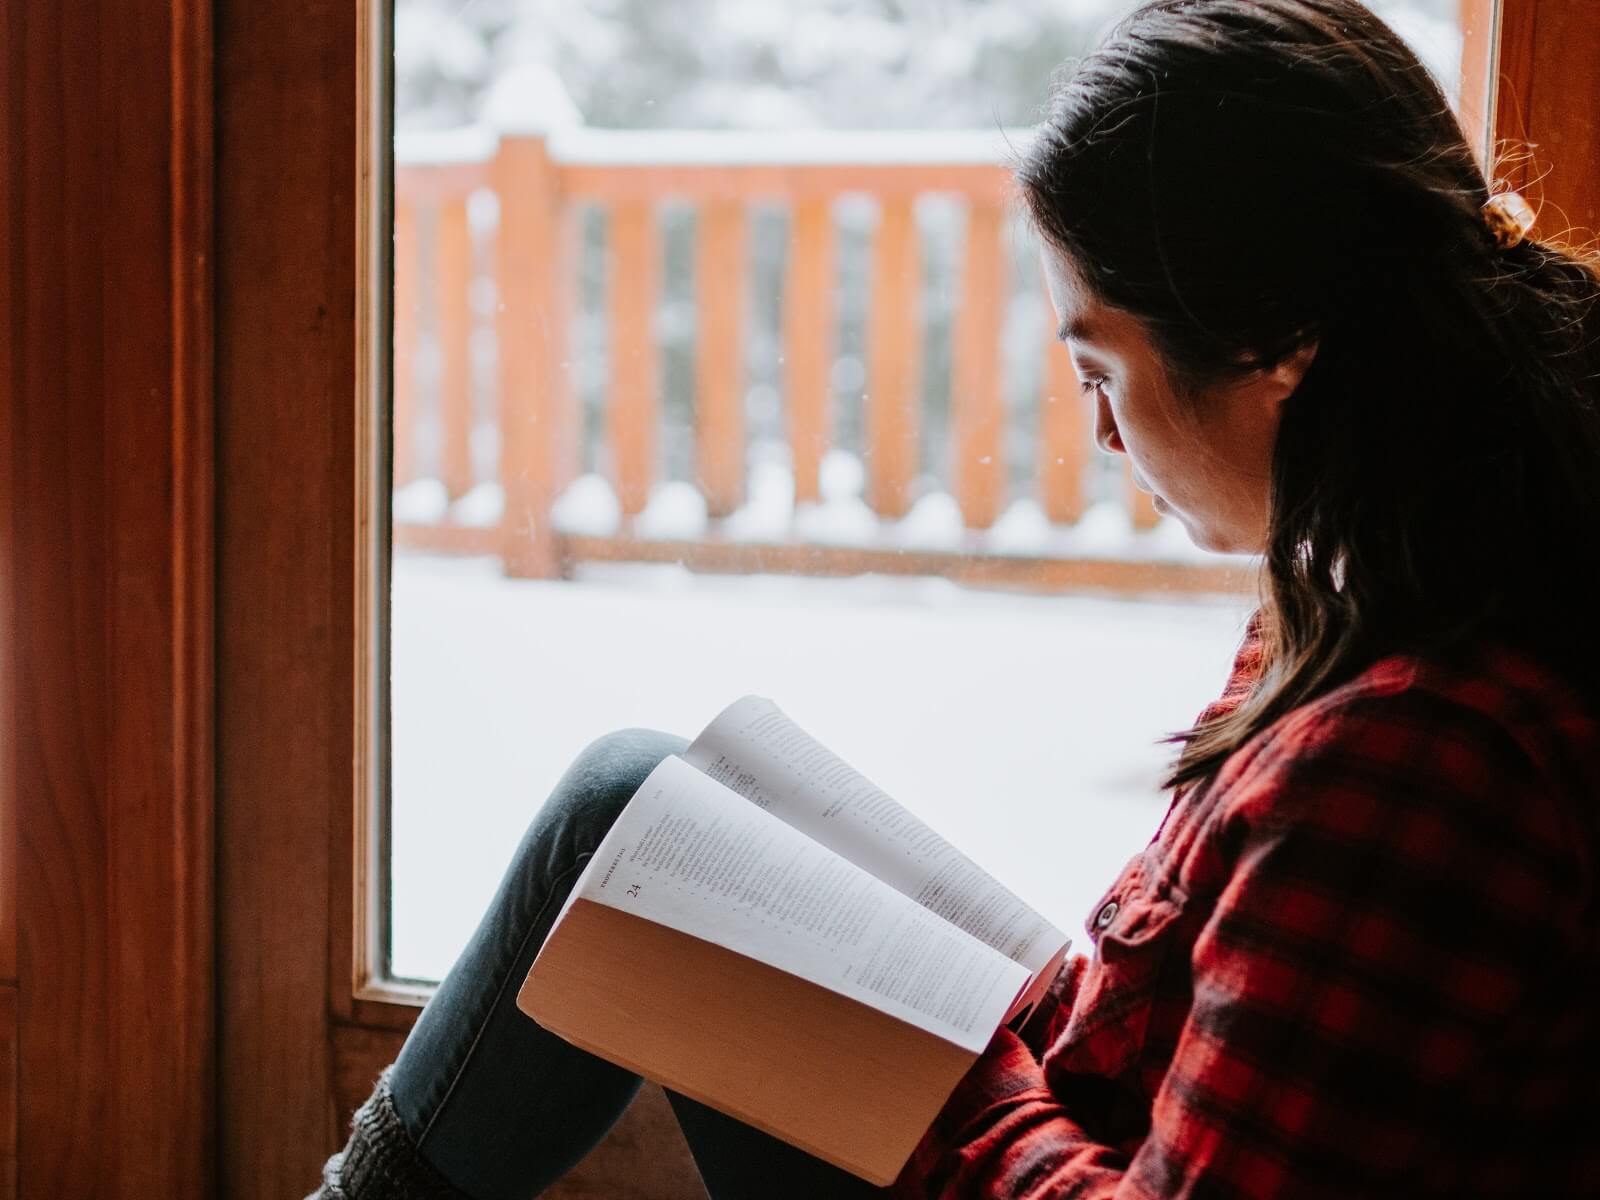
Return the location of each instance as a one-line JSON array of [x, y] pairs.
[[1106, 915]]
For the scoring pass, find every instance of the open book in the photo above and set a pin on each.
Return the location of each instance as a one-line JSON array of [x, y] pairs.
[[765, 931]]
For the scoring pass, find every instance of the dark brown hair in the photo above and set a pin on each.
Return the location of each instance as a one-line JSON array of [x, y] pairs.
[[1245, 175]]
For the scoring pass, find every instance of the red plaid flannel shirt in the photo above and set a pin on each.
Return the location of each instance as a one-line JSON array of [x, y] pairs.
[[1364, 960]]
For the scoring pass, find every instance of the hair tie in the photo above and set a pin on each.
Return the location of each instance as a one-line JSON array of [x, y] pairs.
[[1508, 217]]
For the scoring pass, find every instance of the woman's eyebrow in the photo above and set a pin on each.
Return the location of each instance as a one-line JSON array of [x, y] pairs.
[[1078, 329]]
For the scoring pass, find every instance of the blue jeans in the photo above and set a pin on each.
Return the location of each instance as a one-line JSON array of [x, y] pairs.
[[501, 1107]]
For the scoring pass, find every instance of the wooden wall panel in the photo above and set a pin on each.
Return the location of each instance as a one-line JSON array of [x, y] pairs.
[[286, 449], [10, 1078], [57, 657], [1548, 102], [158, 608], [107, 552], [10, 335]]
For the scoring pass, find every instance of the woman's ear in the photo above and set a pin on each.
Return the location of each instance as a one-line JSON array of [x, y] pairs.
[[1268, 387], [1292, 369]]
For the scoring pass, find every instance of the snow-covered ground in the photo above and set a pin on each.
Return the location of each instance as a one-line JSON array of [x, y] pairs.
[[1021, 726]]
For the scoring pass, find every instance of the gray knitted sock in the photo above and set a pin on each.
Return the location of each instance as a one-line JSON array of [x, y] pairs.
[[380, 1161]]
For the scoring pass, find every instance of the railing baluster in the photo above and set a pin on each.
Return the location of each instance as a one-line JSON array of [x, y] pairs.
[[453, 304], [808, 339], [531, 330], [407, 300], [633, 285], [977, 403], [1063, 433], [540, 420], [892, 399], [720, 272]]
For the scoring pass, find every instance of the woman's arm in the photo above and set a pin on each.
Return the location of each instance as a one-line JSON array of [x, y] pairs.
[[1402, 883]]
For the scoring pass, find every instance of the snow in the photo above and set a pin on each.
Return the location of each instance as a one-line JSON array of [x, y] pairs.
[[675, 510], [420, 502], [1435, 40], [840, 474], [442, 147], [520, 109], [846, 521], [1104, 528], [1021, 529], [481, 507], [428, 40], [1021, 726], [772, 63], [529, 98], [766, 514], [588, 507], [933, 523], [790, 147]]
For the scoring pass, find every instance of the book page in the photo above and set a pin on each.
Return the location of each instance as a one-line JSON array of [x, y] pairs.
[[689, 853], [753, 747]]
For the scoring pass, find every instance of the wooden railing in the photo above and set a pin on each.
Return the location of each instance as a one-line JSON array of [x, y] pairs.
[[466, 278]]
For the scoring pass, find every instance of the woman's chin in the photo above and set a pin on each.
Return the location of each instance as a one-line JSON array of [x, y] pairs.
[[1206, 537], [1219, 543]]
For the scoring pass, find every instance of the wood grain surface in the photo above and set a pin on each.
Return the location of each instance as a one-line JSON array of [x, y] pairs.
[[286, 457], [1547, 113], [9, 1081], [108, 543]]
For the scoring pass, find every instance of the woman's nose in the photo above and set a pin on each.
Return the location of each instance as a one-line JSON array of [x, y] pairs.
[[1105, 429]]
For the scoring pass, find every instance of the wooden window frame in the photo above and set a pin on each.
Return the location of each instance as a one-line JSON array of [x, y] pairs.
[[191, 560]]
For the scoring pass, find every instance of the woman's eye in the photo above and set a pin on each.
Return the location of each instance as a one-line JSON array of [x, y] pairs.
[[1092, 383]]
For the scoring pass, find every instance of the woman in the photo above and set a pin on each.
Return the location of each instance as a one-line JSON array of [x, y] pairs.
[[1360, 956]]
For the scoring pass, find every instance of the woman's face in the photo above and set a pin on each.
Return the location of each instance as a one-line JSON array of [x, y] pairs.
[[1207, 461]]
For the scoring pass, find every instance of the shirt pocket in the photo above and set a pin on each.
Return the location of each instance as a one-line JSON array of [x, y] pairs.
[[1138, 962], [1141, 922]]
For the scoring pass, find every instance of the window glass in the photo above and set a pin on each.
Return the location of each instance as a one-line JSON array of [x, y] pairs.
[[697, 307]]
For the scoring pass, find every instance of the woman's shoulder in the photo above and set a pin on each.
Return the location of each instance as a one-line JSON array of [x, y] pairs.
[[1487, 736], [1488, 695]]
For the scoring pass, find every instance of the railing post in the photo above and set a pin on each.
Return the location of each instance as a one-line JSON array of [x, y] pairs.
[[977, 422], [634, 286], [892, 375], [531, 333], [1063, 433], [453, 304], [808, 339], [406, 299], [720, 272]]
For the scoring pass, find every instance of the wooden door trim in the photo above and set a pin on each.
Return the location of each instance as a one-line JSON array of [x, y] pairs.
[[106, 552], [291, 659], [1547, 113], [11, 329], [11, 332]]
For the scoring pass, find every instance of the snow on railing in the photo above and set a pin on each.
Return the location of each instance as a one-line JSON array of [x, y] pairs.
[[489, 434]]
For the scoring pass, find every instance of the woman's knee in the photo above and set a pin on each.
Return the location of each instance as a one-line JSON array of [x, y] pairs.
[[607, 772]]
